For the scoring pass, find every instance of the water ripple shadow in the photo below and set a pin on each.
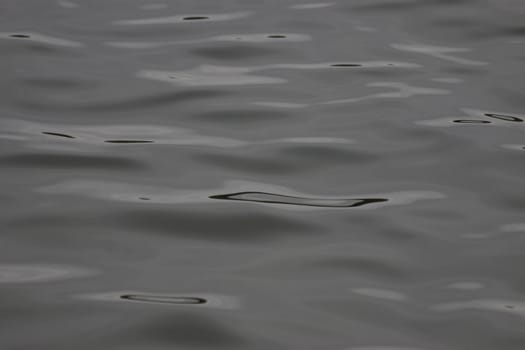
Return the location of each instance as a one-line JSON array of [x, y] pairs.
[[188, 330], [69, 161], [214, 225]]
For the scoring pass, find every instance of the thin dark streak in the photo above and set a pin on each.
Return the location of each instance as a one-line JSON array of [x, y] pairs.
[[58, 134], [164, 299]]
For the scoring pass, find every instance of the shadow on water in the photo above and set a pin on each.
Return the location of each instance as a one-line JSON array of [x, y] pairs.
[[245, 226], [42, 160], [239, 116], [185, 329], [288, 159]]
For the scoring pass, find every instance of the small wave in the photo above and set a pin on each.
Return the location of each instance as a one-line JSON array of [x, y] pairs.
[[262, 197], [183, 18]]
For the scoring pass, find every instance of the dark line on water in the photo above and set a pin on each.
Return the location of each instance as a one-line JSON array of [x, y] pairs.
[[128, 141], [164, 299], [58, 134], [263, 197], [346, 65], [20, 36], [277, 36], [471, 121], [195, 18], [507, 118]]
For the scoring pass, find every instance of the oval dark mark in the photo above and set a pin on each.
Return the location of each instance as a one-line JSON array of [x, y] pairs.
[[276, 36], [58, 134], [144, 198], [507, 118], [263, 197], [471, 121], [346, 65], [509, 306], [164, 299], [128, 141], [20, 36], [195, 18]]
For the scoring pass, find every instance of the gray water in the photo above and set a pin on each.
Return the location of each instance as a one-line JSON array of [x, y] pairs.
[[262, 174]]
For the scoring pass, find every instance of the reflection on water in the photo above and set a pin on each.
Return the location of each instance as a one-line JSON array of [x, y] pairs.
[[40, 38], [183, 18], [25, 273], [262, 174], [242, 38]]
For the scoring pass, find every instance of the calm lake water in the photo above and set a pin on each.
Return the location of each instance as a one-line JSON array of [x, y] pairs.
[[278, 174]]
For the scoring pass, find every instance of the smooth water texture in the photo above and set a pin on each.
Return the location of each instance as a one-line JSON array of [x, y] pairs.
[[277, 174]]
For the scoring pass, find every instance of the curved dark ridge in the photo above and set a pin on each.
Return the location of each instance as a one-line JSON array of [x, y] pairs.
[[20, 36], [164, 299], [507, 118], [58, 134], [195, 18], [263, 197], [128, 141], [471, 121], [346, 65]]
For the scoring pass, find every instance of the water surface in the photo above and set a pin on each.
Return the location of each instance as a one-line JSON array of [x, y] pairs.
[[276, 174]]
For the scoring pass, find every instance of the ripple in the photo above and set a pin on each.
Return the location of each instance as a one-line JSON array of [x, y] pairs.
[[262, 197], [153, 7], [27, 273], [507, 118], [514, 147], [498, 305], [70, 161], [78, 136], [128, 141], [448, 80], [276, 104], [163, 299], [312, 6], [403, 91], [209, 76], [466, 286], [380, 294], [238, 38], [195, 18], [440, 52], [184, 18], [57, 134], [212, 75], [386, 347], [470, 121], [206, 300], [40, 38], [345, 65], [67, 4], [250, 192], [475, 116], [516, 227]]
